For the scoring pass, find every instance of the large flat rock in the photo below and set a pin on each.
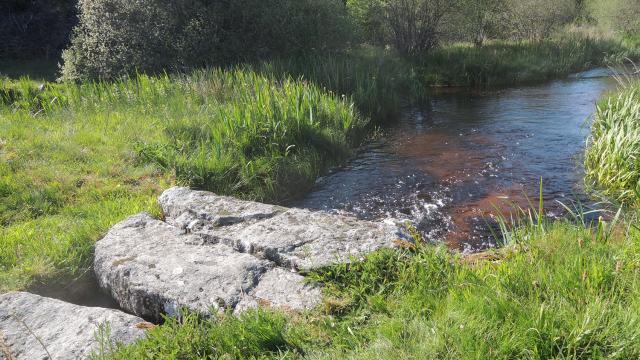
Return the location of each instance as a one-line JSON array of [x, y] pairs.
[[214, 252], [294, 238], [152, 268], [35, 327]]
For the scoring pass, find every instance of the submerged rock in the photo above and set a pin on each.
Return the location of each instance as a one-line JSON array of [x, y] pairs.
[[215, 252], [35, 327]]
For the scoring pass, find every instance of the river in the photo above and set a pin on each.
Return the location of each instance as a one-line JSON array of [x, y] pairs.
[[452, 164]]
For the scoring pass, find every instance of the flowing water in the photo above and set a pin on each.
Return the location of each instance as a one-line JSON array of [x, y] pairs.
[[449, 165], [452, 164]]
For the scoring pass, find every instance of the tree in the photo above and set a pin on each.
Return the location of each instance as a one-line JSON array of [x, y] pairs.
[[480, 19], [369, 16], [415, 25], [119, 37], [622, 16], [537, 19]]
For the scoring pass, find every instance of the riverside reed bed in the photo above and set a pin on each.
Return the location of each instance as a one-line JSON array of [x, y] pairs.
[[78, 158], [503, 63], [612, 160]]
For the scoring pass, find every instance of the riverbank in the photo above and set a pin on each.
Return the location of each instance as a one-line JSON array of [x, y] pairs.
[[612, 160], [558, 290], [77, 159], [505, 63]]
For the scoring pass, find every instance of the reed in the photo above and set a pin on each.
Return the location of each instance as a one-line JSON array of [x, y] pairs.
[[78, 158], [500, 63], [612, 156]]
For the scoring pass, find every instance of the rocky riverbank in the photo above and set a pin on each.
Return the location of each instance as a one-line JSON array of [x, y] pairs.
[[207, 254]]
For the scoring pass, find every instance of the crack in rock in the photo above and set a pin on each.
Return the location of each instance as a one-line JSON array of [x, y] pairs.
[[215, 252]]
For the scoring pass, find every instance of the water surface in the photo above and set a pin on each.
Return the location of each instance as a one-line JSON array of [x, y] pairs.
[[451, 164]]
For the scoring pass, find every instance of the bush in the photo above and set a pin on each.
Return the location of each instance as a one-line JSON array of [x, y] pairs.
[[476, 21], [536, 19], [118, 37], [410, 26], [369, 16], [256, 29]]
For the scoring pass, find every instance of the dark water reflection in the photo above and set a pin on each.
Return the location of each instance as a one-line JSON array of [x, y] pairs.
[[447, 165]]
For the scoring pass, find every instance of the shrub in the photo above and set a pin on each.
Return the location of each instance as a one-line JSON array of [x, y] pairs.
[[118, 37], [536, 19], [256, 29], [477, 20], [370, 19]]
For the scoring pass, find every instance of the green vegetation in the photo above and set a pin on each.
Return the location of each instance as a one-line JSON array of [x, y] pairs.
[[612, 160], [461, 43], [152, 36], [142, 109], [558, 290], [621, 16], [500, 63], [75, 159], [379, 82]]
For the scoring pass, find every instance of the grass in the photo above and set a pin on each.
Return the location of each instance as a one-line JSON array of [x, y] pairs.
[[612, 159], [77, 158], [556, 289], [501, 63], [559, 290], [379, 82]]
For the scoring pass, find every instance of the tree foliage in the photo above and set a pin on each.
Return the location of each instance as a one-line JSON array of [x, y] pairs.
[[410, 26], [622, 16], [536, 19], [117, 37], [415, 25], [479, 20]]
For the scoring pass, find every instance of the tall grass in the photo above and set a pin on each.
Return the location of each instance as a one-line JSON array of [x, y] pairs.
[[77, 158], [560, 290], [612, 158], [379, 82], [501, 63]]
